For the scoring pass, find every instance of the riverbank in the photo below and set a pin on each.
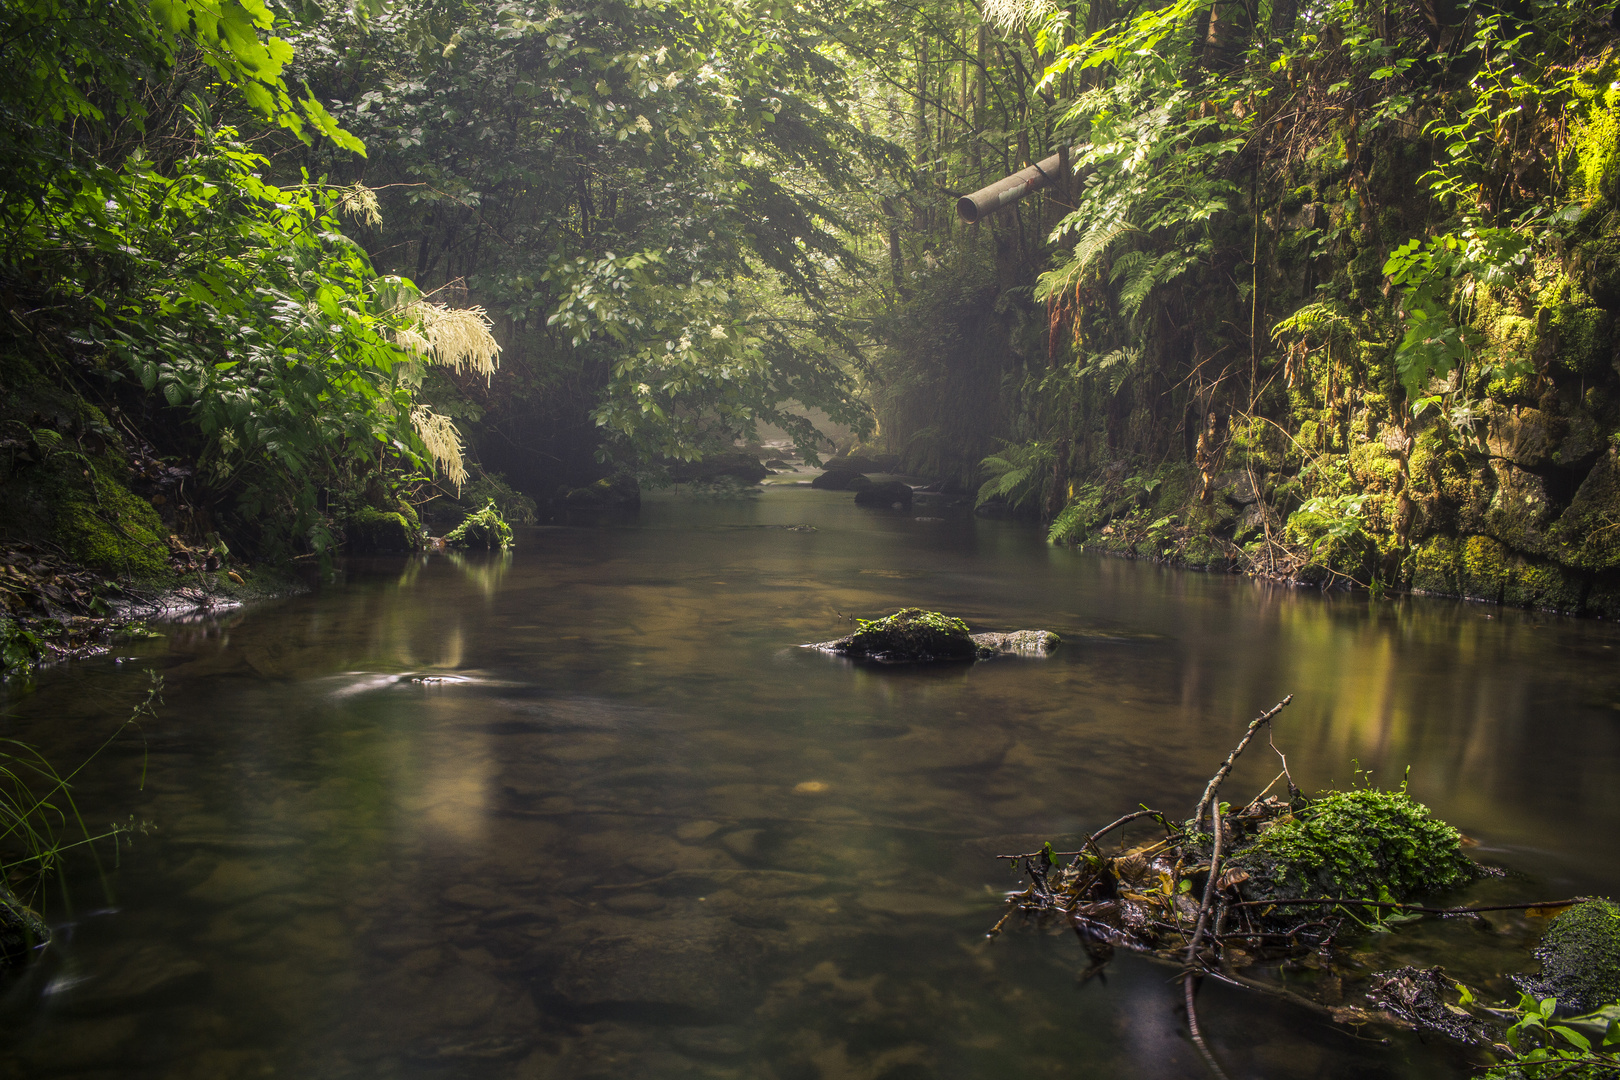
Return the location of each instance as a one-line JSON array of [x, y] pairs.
[[53, 608]]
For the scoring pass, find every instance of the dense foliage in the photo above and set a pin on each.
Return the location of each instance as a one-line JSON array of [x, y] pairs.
[[1328, 294], [1319, 291]]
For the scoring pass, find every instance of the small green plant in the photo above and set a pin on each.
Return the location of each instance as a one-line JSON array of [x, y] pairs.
[[1578, 1048], [40, 824], [484, 529]]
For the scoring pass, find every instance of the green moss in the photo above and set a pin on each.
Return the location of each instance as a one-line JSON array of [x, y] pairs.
[[1484, 569], [103, 525], [912, 634], [372, 531], [1580, 957], [1436, 566], [1585, 338], [1376, 466], [1367, 844], [485, 529]]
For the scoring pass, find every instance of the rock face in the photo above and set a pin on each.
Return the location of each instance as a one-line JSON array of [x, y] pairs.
[[916, 636], [1580, 958]]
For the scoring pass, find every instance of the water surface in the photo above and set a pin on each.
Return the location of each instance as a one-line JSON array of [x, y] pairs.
[[586, 810]]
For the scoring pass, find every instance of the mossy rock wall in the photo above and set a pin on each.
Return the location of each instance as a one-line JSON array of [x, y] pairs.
[[64, 481]]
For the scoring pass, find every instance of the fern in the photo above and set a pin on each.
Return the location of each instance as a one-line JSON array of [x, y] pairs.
[[1055, 283], [1139, 272], [1075, 521], [1321, 319], [1016, 474]]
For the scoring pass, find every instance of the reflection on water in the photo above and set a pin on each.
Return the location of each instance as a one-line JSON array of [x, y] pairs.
[[585, 810]]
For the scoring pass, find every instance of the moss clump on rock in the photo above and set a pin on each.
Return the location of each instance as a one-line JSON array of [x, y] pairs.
[[485, 529], [911, 635], [1580, 958], [103, 525], [1366, 844], [372, 531]]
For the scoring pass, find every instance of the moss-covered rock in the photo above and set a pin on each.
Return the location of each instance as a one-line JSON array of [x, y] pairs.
[[909, 636], [1366, 844], [485, 530], [1580, 958], [103, 525], [372, 531], [1520, 510], [1585, 338]]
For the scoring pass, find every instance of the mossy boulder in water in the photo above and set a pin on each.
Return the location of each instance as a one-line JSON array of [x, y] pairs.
[[910, 635], [884, 495], [1580, 958], [485, 529], [1366, 845], [916, 636]]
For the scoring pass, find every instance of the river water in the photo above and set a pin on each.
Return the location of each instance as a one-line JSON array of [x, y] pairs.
[[585, 810]]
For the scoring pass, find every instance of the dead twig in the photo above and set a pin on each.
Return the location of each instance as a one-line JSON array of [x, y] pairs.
[[1419, 908], [1226, 766]]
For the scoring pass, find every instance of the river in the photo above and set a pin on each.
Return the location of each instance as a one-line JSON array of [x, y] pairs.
[[586, 810]]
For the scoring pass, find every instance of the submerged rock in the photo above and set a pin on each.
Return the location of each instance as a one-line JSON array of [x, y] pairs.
[[837, 480], [884, 495], [1580, 958], [916, 636]]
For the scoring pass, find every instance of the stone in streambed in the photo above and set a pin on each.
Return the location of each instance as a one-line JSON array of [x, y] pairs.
[[884, 495], [912, 635], [1020, 642]]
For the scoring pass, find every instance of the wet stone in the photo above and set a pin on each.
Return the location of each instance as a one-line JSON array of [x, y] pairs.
[[720, 1042], [695, 832], [744, 843], [635, 903], [479, 896], [914, 904], [135, 975], [691, 969], [234, 881]]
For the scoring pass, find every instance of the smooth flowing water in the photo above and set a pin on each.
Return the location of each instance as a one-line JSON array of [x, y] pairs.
[[586, 810]]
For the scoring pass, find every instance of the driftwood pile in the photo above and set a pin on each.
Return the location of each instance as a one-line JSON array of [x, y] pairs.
[[1278, 877]]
